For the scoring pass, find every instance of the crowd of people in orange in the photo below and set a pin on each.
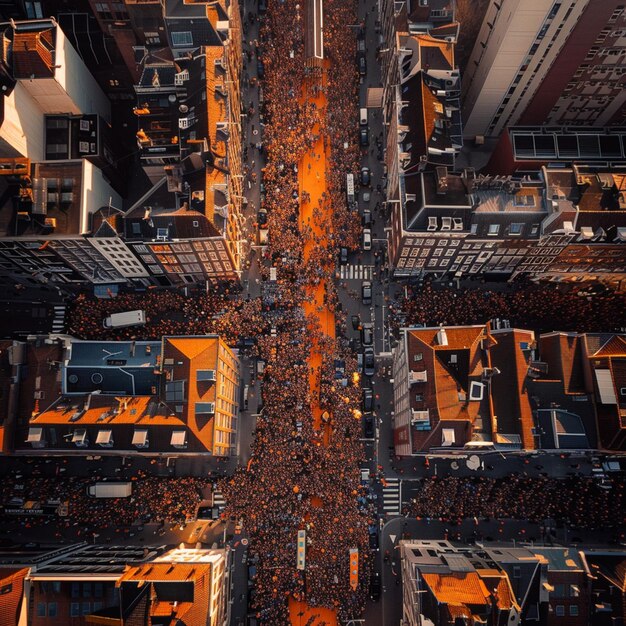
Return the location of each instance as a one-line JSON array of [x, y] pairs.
[[577, 502], [542, 308], [301, 477]]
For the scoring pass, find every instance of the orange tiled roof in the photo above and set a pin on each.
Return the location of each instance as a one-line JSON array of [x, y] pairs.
[[446, 48], [199, 353], [110, 410], [156, 572], [33, 54], [457, 589]]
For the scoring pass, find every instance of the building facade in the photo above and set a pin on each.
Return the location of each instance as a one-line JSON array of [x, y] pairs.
[[546, 62]]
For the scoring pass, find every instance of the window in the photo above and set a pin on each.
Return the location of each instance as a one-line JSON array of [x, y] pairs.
[[33, 10], [419, 397], [75, 609], [494, 229], [182, 39], [517, 571], [41, 609], [86, 608], [516, 228], [418, 357], [52, 609], [75, 590], [559, 610], [97, 591], [573, 610]]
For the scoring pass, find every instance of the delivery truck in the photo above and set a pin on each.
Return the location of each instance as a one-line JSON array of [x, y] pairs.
[[110, 489], [127, 318]]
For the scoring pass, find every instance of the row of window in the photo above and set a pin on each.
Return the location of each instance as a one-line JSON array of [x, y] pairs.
[[51, 609]]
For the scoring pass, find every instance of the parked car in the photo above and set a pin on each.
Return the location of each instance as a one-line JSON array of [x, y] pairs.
[[343, 256], [262, 217], [359, 362], [367, 334], [367, 239], [368, 400], [366, 292], [356, 322], [362, 65], [367, 217], [260, 69], [364, 138], [375, 587], [374, 542], [368, 426], [366, 177], [369, 364]]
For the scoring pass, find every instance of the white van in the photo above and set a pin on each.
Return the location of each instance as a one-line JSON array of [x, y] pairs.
[[367, 239], [363, 116], [125, 319]]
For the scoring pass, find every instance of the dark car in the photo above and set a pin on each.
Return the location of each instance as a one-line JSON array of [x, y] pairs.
[[356, 322], [343, 256], [366, 177], [368, 400], [362, 65], [367, 217], [262, 217], [260, 69], [366, 292], [262, 7], [375, 587], [367, 334], [374, 542], [368, 426], [364, 138], [369, 365]]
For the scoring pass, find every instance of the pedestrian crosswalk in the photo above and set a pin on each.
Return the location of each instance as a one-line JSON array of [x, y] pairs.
[[356, 272], [58, 322], [218, 499], [392, 496]]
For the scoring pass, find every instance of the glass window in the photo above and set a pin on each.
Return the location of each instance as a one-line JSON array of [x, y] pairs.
[[494, 229], [41, 609], [559, 610], [75, 590], [75, 609], [52, 609], [86, 608], [516, 229], [182, 39], [573, 610]]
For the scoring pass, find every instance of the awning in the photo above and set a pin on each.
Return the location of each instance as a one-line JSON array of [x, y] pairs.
[[374, 99], [140, 437], [179, 438], [105, 437], [447, 436], [35, 435]]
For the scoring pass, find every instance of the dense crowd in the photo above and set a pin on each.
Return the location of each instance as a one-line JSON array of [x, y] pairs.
[[304, 474], [542, 308], [153, 499], [577, 502]]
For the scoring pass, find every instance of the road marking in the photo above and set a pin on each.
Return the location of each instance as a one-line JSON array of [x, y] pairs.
[[355, 272], [391, 496]]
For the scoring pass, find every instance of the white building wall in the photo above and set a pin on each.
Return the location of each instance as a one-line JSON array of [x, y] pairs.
[[23, 126], [77, 81], [120, 256], [508, 35], [96, 192]]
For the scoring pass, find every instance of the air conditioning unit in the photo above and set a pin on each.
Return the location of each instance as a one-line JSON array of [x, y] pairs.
[[39, 395]]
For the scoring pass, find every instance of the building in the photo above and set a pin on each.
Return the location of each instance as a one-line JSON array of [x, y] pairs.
[[524, 148], [447, 586], [183, 586], [463, 224], [42, 73], [607, 569], [568, 584], [177, 396], [546, 62], [559, 224], [118, 585], [462, 386], [189, 136]]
